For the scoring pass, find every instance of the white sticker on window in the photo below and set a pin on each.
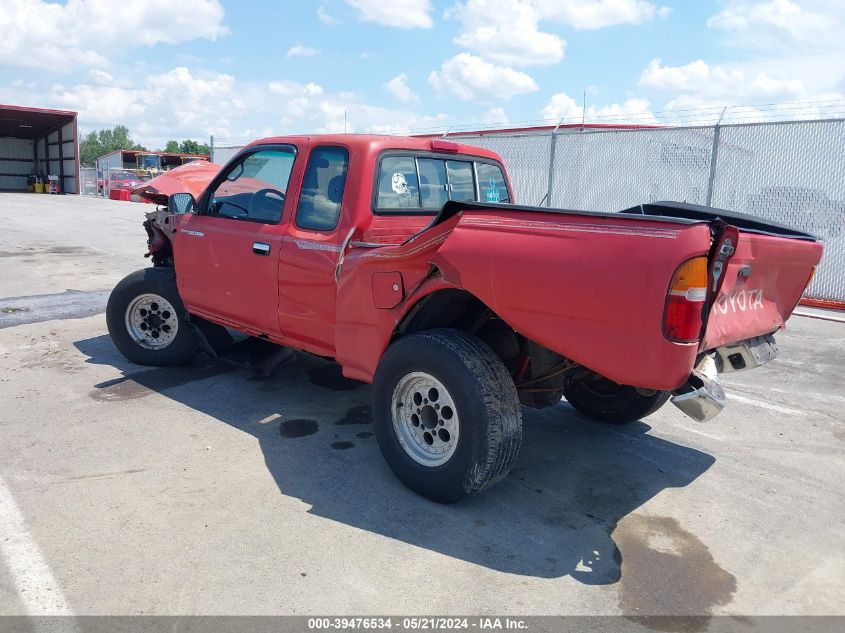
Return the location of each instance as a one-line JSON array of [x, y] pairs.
[[400, 185], [493, 191]]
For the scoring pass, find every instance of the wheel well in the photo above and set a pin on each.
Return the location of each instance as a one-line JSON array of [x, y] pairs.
[[160, 249], [539, 373], [451, 307]]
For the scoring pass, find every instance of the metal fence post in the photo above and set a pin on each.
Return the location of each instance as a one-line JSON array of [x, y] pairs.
[[211, 148], [552, 149], [714, 157]]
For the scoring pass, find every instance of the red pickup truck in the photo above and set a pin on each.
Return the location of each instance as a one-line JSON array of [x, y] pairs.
[[407, 262]]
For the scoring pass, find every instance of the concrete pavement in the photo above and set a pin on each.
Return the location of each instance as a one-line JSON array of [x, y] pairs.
[[208, 490]]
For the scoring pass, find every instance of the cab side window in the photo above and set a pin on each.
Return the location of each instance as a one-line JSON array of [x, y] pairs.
[[398, 185], [322, 189], [254, 188], [491, 183]]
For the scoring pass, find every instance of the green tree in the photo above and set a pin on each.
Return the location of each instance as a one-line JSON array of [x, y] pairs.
[[96, 144], [190, 146], [173, 147], [89, 149]]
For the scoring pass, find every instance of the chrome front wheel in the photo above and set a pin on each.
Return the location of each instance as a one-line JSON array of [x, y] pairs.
[[425, 419], [151, 321]]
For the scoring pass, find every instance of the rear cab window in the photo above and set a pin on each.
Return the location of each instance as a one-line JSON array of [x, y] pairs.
[[420, 183]]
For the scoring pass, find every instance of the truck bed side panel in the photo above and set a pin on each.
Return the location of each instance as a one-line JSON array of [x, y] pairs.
[[590, 288]]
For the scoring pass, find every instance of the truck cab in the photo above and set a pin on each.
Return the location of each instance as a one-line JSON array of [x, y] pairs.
[[287, 209]]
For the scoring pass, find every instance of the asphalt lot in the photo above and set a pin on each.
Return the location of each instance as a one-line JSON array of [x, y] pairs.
[[208, 490]]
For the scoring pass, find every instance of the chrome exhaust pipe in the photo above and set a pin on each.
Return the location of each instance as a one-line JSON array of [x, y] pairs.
[[701, 397]]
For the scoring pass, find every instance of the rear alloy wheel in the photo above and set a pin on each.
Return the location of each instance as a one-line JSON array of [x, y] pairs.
[[446, 414], [606, 401], [147, 321]]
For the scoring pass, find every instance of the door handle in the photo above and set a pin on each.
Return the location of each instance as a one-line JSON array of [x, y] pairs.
[[260, 248]]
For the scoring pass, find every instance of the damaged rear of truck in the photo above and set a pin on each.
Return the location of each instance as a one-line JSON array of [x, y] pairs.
[[461, 315], [615, 312]]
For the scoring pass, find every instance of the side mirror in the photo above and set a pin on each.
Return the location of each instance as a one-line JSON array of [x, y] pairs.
[[181, 203]]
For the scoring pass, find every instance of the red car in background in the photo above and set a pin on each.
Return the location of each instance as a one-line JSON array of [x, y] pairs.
[[121, 180]]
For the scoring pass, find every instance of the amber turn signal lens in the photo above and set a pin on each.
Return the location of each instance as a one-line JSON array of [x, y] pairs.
[[682, 318]]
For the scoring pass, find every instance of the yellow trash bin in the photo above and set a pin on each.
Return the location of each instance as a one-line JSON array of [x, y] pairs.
[[39, 187]]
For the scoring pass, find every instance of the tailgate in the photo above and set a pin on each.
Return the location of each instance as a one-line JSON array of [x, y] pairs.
[[758, 286]]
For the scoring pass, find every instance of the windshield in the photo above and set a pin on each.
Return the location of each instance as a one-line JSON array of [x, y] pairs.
[[149, 161]]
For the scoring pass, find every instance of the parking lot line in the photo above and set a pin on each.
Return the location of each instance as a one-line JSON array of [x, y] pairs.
[[765, 405], [37, 588], [820, 315]]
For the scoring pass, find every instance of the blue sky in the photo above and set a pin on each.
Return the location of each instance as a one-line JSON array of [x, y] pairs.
[[191, 68]]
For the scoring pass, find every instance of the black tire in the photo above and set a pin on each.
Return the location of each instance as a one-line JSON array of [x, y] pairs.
[[606, 401], [488, 413], [160, 282]]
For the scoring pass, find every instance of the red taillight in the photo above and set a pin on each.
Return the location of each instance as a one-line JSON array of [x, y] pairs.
[[682, 318]]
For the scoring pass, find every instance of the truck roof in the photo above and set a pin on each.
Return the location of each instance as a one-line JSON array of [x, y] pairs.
[[378, 142]]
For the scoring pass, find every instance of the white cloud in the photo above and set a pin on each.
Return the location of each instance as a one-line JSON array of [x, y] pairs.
[[403, 14], [506, 31], [776, 18], [308, 107], [100, 76], [713, 82], [563, 108], [290, 88], [597, 14], [172, 104], [495, 116], [26, 85], [398, 87], [181, 103], [301, 51], [325, 17], [469, 77], [792, 41], [58, 36]]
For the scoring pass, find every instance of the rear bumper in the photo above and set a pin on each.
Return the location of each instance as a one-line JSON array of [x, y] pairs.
[[746, 354], [702, 397]]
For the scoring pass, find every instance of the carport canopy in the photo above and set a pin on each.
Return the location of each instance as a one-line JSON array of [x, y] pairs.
[[37, 136]]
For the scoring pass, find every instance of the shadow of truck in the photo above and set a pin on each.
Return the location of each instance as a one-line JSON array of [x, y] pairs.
[[553, 516]]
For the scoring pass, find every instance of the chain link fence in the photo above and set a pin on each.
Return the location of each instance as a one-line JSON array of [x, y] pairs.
[[89, 181], [791, 172], [787, 172], [106, 183]]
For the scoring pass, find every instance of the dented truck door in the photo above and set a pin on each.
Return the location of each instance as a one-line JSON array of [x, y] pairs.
[[310, 251]]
